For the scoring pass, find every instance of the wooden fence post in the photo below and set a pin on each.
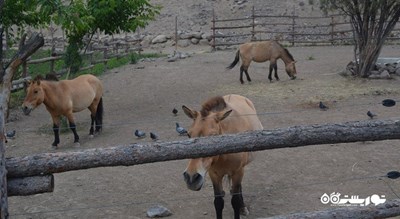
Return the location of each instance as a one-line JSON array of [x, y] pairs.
[[253, 24], [213, 31], [3, 170], [293, 25], [105, 58], [176, 33], [332, 29]]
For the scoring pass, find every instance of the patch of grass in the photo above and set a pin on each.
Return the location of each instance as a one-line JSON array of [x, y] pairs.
[[135, 57], [311, 57]]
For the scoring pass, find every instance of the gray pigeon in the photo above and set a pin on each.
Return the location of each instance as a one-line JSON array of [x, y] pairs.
[[11, 134], [153, 136], [180, 129], [140, 134], [370, 114], [322, 106]]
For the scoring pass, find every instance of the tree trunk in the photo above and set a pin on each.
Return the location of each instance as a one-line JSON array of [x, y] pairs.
[[30, 185], [3, 170], [385, 210], [134, 154], [33, 44]]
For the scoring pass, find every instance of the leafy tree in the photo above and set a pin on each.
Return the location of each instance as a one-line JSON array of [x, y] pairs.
[[82, 18], [371, 21]]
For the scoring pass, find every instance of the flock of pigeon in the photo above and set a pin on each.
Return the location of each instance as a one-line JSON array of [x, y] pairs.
[[182, 131], [386, 102], [179, 129]]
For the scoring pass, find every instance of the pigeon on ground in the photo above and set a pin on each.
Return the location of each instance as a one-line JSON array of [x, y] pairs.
[[11, 134], [153, 136], [175, 111], [180, 129], [140, 134], [370, 114], [322, 106]]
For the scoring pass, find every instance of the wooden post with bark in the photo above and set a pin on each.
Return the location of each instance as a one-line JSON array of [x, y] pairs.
[[133, 154], [34, 43]]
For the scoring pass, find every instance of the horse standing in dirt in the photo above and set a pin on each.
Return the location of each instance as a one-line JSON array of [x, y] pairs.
[[65, 97], [262, 52], [221, 115]]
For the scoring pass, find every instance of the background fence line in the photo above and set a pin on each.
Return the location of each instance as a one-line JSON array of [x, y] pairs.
[[292, 29]]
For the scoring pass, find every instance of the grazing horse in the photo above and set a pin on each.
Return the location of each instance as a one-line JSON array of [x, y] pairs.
[[221, 115], [261, 52], [65, 97]]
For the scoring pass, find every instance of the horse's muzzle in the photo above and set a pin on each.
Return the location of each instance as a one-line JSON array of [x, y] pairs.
[[194, 182], [26, 110]]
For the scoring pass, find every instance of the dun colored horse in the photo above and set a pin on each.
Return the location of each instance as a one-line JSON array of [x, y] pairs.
[[221, 115], [65, 97], [262, 52]]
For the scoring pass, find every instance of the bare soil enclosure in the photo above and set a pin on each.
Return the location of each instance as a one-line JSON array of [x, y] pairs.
[[276, 182]]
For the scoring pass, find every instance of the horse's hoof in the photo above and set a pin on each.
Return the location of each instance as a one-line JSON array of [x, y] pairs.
[[54, 147], [91, 136], [244, 211], [77, 144]]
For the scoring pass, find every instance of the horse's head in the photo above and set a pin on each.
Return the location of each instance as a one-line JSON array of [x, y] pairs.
[[291, 70], [203, 125], [34, 96]]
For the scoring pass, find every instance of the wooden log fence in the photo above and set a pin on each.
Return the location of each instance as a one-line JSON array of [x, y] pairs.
[[327, 30], [134, 154], [114, 50]]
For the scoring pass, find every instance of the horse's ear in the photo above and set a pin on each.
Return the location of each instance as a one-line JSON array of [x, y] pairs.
[[38, 82], [222, 115], [190, 113]]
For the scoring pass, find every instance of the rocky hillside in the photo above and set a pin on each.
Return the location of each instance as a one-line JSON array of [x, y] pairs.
[[194, 15]]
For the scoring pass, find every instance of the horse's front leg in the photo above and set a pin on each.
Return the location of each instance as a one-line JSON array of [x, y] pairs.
[[237, 198], [72, 126], [276, 72], [271, 68], [56, 130], [91, 131], [218, 194]]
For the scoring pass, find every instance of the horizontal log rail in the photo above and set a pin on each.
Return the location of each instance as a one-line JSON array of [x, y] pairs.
[[30, 185], [133, 154]]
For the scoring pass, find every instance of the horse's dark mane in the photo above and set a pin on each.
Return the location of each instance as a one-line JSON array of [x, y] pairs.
[[214, 104], [287, 51], [49, 77]]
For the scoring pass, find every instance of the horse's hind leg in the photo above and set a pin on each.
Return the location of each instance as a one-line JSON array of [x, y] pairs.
[[247, 73], [241, 74]]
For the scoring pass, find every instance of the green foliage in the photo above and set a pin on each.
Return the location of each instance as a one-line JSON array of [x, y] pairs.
[[78, 18], [311, 57]]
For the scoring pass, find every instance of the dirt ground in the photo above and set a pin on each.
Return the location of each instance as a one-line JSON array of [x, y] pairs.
[[278, 182]]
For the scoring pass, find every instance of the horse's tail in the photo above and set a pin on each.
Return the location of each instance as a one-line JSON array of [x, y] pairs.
[[99, 115], [234, 61]]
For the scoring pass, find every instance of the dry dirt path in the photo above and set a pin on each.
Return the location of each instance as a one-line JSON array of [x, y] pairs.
[[277, 182]]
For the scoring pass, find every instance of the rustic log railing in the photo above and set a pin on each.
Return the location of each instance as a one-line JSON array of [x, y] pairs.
[[293, 29]]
